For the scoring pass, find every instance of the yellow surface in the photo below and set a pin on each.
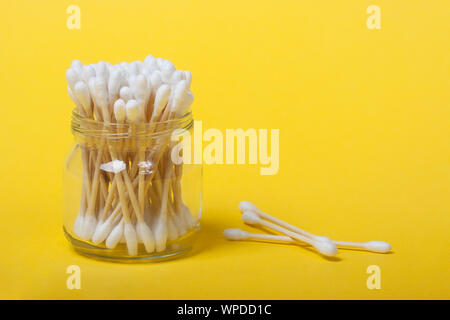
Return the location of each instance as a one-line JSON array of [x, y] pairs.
[[364, 119]]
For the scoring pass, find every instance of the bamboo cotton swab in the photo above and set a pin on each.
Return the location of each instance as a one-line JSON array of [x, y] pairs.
[[324, 247], [252, 215], [238, 234], [248, 206]]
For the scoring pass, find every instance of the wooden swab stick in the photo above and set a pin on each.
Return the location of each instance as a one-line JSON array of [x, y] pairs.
[[324, 247], [143, 231], [238, 234]]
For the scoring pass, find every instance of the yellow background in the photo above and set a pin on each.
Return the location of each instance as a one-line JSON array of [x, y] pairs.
[[364, 142]]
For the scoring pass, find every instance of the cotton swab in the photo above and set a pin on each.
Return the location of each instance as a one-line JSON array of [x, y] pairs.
[[126, 94], [75, 100], [78, 224], [115, 80], [324, 247], [120, 112], [188, 77], [131, 238], [77, 65], [248, 206], [82, 94], [161, 99], [185, 104], [176, 77], [145, 234], [86, 73], [132, 111], [238, 234], [102, 70], [374, 246], [72, 78], [115, 236]]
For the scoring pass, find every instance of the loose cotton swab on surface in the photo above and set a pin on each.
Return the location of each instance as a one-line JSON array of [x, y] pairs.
[[239, 235], [324, 247], [117, 193], [255, 217]]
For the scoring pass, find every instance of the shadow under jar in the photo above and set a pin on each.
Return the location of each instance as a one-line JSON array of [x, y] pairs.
[[127, 194]]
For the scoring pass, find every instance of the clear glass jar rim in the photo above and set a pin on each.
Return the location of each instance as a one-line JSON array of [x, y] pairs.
[[89, 127]]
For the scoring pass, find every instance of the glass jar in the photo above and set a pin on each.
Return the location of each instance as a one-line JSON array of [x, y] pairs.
[[126, 196]]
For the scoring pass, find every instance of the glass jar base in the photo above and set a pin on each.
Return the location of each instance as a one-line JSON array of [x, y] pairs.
[[175, 249]]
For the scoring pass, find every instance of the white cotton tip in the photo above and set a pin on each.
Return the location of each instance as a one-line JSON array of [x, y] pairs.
[[161, 98], [235, 234], [78, 225], [131, 239], [250, 217], [131, 80], [133, 68], [77, 65], [120, 111], [132, 110], [82, 94], [100, 92], [152, 66], [102, 231], [115, 80], [146, 71], [179, 93], [89, 225], [188, 77], [91, 85], [378, 246], [101, 70], [156, 80], [126, 94], [185, 104], [160, 233], [140, 65], [114, 166], [142, 89], [186, 218], [115, 236], [167, 65], [177, 76], [325, 247], [172, 231], [180, 224], [160, 63], [246, 206], [74, 98], [72, 77], [145, 234], [167, 70], [149, 59], [87, 73], [322, 238]]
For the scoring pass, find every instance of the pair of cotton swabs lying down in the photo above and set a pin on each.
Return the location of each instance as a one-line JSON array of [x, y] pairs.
[[253, 216]]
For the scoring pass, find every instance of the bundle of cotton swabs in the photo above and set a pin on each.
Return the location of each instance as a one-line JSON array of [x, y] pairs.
[[122, 200]]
